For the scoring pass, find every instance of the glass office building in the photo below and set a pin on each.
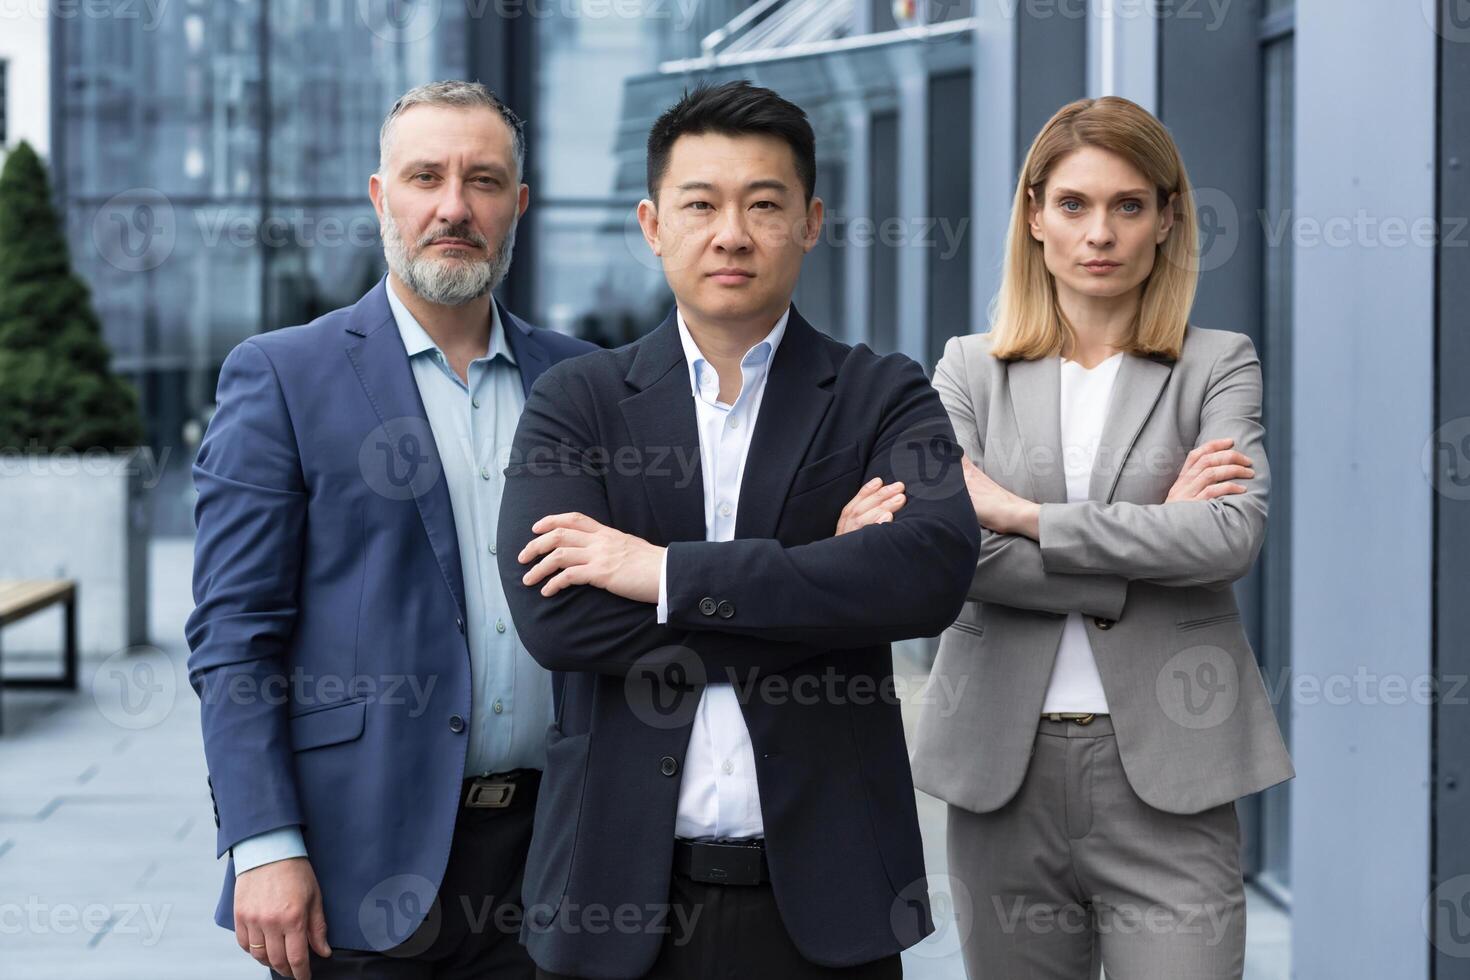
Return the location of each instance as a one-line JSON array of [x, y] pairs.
[[213, 168]]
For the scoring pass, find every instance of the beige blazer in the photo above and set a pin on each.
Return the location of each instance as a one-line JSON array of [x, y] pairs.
[[1152, 580]]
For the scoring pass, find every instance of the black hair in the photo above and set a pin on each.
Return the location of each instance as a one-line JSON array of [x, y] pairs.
[[733, 109]]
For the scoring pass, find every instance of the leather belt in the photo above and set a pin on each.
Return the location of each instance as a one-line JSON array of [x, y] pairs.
[[1080, 717], [730, 862], [498, 791]]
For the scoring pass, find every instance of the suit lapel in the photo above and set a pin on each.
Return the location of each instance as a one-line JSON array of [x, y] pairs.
[[798, 394], [1136, 390], [1035, 389], [531, 357], [660, 419], [378, 355]]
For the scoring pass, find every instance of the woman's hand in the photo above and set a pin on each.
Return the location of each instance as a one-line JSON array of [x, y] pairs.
[[996, 507], [1208, 471]]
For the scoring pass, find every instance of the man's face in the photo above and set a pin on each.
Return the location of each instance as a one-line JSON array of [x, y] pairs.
[[731, 225], [1100, 224], [448, 198]]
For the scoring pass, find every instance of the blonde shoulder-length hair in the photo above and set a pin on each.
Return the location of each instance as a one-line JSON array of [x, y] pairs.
[[1026, 320]]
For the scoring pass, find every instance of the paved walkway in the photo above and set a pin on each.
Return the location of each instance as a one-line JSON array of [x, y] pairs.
[[107, 868]]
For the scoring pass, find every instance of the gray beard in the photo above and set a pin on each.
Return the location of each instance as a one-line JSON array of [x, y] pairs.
[[445, 282]]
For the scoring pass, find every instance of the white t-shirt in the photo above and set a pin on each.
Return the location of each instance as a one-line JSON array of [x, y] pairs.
[[1075, 684]]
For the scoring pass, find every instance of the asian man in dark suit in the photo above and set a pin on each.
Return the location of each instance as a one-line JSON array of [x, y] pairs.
[[727, 788]]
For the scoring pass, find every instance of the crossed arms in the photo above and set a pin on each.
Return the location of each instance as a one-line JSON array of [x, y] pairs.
[[1079, 557], [901, 578]]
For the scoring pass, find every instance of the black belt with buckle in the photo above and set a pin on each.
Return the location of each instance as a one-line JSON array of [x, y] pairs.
[[740, 862], [497, 791]]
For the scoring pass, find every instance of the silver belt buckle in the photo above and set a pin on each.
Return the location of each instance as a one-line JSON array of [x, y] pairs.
[[490, 794]]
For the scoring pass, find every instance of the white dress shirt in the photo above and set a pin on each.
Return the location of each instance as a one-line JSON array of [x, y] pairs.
[[718, 796], [1075, 684]]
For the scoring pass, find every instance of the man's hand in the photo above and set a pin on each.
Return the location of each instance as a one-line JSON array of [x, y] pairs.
[[576, 550], [278, 910], [1208, 470], [996, 507], [875, 503]]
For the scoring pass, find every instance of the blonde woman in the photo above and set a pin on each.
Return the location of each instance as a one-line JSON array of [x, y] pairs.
[[1108, 709]]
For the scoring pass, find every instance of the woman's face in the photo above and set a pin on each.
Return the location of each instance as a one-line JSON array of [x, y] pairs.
[[1099, 225]]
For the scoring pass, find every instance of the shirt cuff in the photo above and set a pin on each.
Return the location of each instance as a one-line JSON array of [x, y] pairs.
[[663, 589], [271, 846]]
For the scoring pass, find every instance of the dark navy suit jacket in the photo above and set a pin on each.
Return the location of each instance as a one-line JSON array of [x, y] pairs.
[[327, 642], [801, 620]]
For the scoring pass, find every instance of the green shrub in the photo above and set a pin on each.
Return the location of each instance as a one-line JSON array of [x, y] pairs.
[[56, 389]]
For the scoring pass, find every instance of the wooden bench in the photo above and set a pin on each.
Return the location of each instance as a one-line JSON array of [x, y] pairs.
[[20, 598]]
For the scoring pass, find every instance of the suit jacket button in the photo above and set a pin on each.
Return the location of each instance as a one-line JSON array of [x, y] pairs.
[[456, 724], [668, 766], [725, 609], [707, 606], [1103, 624], [460, 624]]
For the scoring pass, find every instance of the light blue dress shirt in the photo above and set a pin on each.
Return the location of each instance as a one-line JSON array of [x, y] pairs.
[[473, 423]]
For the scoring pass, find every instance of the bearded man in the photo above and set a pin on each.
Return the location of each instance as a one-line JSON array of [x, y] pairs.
[[374, 729]]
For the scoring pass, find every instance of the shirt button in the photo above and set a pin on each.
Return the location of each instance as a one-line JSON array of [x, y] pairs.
[[728, 767], [475, 402], [734, 423], [499, 628], [484, 472], [497, 707], [724, 510], [492, 549]]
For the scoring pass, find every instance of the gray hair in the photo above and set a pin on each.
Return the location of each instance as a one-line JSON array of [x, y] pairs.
[[460, 95]]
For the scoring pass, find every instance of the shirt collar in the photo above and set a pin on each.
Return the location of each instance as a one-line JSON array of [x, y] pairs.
[[761, 354], [416, 339]]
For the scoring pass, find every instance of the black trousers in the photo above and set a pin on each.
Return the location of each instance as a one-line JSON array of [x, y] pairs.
[[472, 931], [736, 933]]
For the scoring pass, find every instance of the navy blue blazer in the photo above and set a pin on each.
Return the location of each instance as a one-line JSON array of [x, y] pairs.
[[799, 618], [327, 585]]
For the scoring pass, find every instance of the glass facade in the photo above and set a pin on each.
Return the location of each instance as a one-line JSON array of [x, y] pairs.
[[213, 164], [593, 273]]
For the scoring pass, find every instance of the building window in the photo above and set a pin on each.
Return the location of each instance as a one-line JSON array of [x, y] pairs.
[[1278, 63], [4, 101]]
